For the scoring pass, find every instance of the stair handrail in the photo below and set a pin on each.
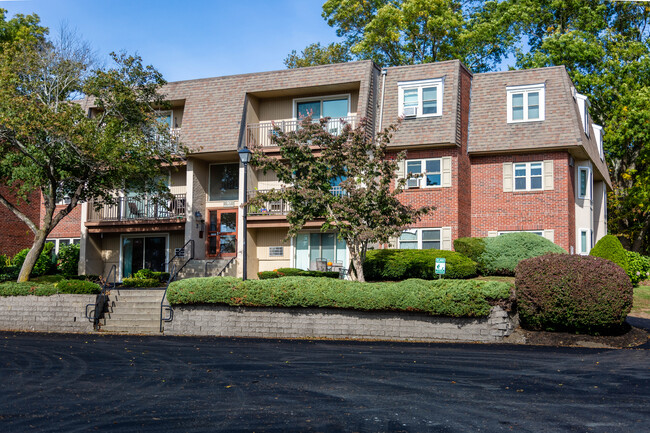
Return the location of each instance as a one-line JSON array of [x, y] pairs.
[[173, 272], [205, 270], [232, 259], [102, 299]]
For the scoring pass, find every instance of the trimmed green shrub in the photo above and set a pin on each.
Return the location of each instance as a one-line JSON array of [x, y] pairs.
[[396, 265], [67, 262], [560, 292], [146, 274], [26, 289], [78, 287], [142, 282], [90, 277], [293, 272], [638, 267], [610, 248], [4, 263], [470, 247], [503, 253], [471, 298]]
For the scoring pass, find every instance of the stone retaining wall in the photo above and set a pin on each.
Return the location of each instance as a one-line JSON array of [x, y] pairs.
[[56, 313], [337, 324]]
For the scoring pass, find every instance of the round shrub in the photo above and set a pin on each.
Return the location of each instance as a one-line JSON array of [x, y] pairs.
[[67, 262], [638, 267], [470, 247], [561, 292], [610, 248], [503, 253], [77, 287], [397, 265]]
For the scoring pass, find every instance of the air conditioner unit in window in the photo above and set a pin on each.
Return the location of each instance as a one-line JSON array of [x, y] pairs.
[[413, 182], [410, 111]]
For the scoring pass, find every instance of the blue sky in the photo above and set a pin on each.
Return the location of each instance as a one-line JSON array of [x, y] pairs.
[[187, 39]]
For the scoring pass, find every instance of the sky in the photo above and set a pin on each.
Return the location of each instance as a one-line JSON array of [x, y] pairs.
[[188, 39]]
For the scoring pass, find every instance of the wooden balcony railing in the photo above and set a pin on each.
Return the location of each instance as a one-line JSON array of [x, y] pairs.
[[137, 208], [259, 134]]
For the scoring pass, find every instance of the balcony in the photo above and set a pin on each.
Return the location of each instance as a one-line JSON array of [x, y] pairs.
[[138, 210], [279, 207], [259, 134]]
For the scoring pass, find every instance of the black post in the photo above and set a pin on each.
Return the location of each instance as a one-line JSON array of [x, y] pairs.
[[244, 274]]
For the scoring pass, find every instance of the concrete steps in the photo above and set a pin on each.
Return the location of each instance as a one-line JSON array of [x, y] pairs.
[[133, 311], [196, 268]]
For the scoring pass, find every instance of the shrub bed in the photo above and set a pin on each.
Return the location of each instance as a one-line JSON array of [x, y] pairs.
[[638, 267], [395, 265], [293, 272], [142, 282], [503, 253], [470, 247], [444, 298], [558, 292], [75, 287]]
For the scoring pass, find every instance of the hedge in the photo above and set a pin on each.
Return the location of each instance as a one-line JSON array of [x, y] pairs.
[[443, 298], [559, 292], [395, 265], [142, 282], [39, 289], [293, 272], [470, 247], [503, 253]]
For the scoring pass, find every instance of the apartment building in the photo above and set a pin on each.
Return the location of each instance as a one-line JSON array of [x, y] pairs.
[[494, 153]]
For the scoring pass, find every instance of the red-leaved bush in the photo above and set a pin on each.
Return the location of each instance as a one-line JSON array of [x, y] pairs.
[[561, 292]]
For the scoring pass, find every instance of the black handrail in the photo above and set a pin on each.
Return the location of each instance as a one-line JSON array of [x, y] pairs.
[[101, 300], [173, 272], [232, 259]]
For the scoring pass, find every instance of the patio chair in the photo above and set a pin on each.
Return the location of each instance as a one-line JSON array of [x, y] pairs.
[[321, 264], [133, 210]]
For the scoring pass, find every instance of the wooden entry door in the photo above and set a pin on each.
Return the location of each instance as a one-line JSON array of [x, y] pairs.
[[222, 233]]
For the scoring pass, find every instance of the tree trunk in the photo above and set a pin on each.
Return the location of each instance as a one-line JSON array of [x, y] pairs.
[[637, 246], [355, 256], [32, 256]]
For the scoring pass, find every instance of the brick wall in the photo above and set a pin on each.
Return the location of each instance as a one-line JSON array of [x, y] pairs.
[[495, 210], [69, 227], [14, 234]]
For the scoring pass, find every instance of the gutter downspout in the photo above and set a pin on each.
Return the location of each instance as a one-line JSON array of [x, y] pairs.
[[381, 103]]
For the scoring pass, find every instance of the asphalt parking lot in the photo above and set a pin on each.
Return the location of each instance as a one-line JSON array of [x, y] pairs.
[[70, 383]]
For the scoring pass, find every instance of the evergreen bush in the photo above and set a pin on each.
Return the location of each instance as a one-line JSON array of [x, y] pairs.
[[396, 265], [470, 247], [78, 287], [610, 248], [638, 267], [561, 292], [67, 262], [293, 272], [503, 253]]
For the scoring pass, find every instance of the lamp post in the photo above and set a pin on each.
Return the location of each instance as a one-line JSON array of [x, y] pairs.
[[245, 157]]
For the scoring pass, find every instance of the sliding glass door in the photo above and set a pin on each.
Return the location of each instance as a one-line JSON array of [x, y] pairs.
[[143, 252]]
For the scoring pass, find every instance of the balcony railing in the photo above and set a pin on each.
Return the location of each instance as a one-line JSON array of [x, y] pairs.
[[138, 208], [279, 207], [259, 134], [172, 143]]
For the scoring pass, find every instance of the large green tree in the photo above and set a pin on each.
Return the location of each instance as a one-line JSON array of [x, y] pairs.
[[48, 143], [363, 207], [316, 54]]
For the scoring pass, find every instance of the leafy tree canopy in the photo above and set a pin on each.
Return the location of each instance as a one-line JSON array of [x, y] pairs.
[[315, 54], [364, 207]]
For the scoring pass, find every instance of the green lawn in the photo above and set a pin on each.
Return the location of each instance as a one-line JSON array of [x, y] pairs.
[[642, 299]]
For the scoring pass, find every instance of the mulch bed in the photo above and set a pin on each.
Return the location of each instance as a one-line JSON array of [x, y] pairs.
[[632, 337]]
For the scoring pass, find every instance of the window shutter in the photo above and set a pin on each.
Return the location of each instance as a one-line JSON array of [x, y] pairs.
[[446, 171], [507, 177], [548, 175], [401, 171], [550, 235], [446, 239], [493, 234]]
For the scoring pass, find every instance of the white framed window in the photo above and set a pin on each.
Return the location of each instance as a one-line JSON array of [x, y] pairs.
[[536, 232], [526, 103], [421, 98], [598, 136], [584, 183], [528, 176], [421, 239], [428, 171], [583, 107], [61, 242], [224, 182], [334, 106], [584, 241]]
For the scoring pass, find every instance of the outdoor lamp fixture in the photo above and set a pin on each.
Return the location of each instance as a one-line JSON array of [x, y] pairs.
[[245, 157]]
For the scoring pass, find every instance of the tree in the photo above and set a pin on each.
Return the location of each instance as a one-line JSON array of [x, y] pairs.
[[404, 32], [20, 28], [48, 143], [364, 207], [315, 54]]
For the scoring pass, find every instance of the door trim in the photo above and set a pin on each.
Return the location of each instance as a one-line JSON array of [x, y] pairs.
[[207, 232]]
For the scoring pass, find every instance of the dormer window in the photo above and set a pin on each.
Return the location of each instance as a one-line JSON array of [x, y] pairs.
[[526, 103], [421, 98], [583, 107], [598, 136]]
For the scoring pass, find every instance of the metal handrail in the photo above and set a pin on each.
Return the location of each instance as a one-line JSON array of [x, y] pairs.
[[172, 276], [102, 299], [232, 259]]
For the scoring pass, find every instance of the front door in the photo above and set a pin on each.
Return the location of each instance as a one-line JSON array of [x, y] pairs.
[[148, 252], [222, 233]]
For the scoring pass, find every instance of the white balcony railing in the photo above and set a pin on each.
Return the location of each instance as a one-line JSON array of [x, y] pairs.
[[259, 134]]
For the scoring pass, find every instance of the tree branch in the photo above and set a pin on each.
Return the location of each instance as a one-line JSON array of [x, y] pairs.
[[24, 218]]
